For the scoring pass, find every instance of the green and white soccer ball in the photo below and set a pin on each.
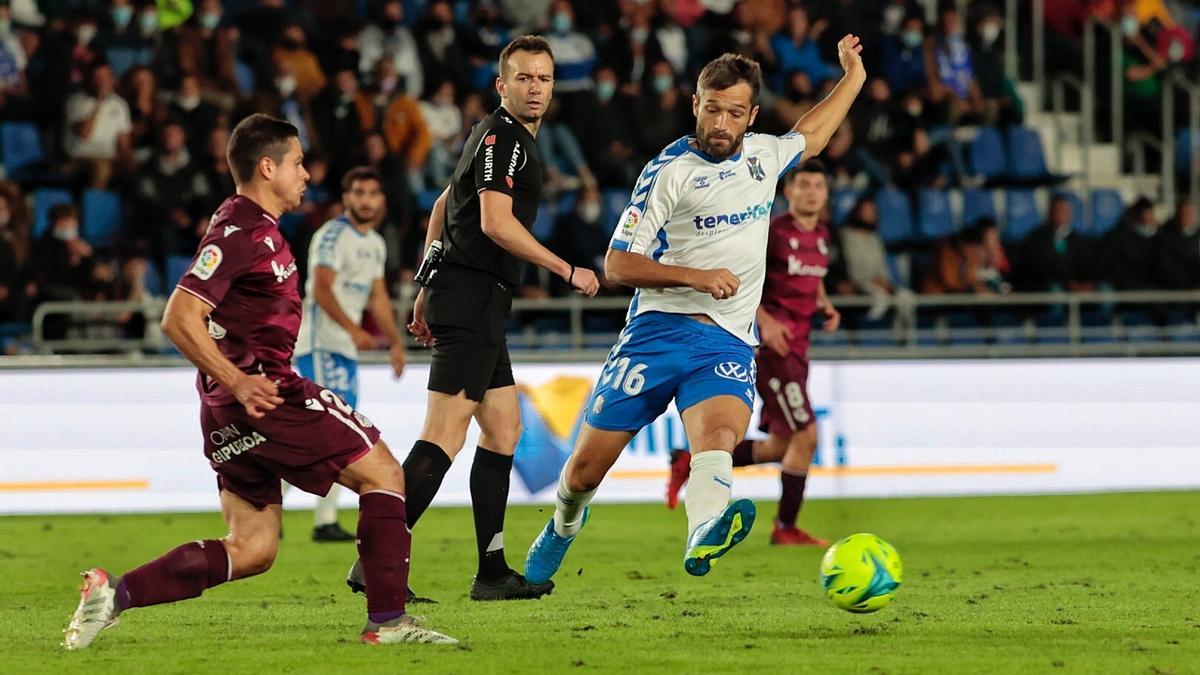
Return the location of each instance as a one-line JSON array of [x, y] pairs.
[[861, 573]]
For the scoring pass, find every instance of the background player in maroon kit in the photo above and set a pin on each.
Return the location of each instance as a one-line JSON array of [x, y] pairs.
[[794, 292], [235, 314]]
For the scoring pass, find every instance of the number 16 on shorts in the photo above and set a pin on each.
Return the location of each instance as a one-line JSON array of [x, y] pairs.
[[628, 378]]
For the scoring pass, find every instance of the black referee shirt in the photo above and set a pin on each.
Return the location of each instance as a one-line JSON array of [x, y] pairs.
[[499, 155]]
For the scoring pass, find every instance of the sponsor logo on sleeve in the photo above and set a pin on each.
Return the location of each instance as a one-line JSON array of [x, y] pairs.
[[207, 262], [512, 162], [489, 162], [282, 272], [490, 140]]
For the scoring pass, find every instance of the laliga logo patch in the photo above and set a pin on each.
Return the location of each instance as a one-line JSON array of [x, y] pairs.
[[731, 370], [629, 220], [207, 262]]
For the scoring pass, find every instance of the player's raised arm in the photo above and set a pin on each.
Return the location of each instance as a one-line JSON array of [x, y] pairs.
[[819, 124], [184, 322]]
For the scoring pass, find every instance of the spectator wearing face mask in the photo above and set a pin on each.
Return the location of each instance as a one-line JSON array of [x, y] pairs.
[[205, 48], [292, 50], [663, 114], [444, 119], [387, 38], [1128, 251], [952, 81], [904, 57], [63, 259], [128, 34], [1177, 249], [604, 128], [574, 52], [193, 113], [1055, 257], [97, 139], [580, 237]]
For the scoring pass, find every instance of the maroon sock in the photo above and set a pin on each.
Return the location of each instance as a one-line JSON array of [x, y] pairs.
[[383, 547], [743, 453], [183, 572], [791, 498]]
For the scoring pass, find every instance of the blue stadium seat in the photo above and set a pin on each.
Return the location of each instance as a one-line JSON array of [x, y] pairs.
[[934, 219], [895, 216], [243, 74], [1106, 211], [1184, 151], [614, 201], [841, 202], [1026, 159], [977, 203], [987, 154], [543, 225], [101, 217], [177, 266], [21, 146], [45, 199], [1021, 215]]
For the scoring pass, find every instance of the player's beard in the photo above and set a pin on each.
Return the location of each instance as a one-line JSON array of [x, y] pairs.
[[359, 219], [702, 141]]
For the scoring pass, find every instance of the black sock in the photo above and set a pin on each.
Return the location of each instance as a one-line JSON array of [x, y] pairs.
[[743, 453], [424, 469], [489, 498]]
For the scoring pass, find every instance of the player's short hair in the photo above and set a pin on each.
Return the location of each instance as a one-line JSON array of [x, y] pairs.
[[727, 70], [256, 137], [534, 44], [809, 166], [359, 173]]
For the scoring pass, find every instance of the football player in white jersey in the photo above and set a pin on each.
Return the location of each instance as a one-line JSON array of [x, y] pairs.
[[693, 241], [345, 278]]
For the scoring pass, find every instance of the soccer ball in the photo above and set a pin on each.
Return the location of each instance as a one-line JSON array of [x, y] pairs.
[[861, 573]]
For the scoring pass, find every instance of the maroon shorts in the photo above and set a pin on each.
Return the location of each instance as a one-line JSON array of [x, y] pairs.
[[308, 440], [783, 386]]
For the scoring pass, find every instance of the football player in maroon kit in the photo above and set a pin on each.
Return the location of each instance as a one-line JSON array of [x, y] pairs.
[[235, 315], [794, 293]]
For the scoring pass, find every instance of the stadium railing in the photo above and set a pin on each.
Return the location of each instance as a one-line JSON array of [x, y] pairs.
[[1102, 323]]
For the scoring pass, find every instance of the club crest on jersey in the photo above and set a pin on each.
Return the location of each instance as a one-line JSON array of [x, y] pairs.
[[207, 262], [756, 170], [732, 370]]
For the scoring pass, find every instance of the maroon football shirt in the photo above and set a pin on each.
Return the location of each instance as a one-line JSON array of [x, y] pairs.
[[797, 262], [246, 271]]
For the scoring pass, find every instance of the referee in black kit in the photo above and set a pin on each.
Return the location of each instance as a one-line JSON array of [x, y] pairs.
[[479, 228]]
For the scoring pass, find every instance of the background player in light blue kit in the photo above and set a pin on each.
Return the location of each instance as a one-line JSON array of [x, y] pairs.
[[345, 278], [693, 241]]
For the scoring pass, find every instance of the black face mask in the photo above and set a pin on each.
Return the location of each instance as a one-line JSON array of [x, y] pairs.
[[290, 44]]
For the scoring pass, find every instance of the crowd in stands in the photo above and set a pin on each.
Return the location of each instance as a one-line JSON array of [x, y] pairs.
[[119, 111]]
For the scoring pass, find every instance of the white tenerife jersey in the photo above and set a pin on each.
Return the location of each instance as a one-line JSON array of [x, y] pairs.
[[693, 210], [357, 260]]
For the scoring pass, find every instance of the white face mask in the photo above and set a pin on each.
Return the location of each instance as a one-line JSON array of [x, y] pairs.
[[85, 33], [1129, 25], [589, 211], [989, 32], [286, 85], [188, 103], [66, 233]]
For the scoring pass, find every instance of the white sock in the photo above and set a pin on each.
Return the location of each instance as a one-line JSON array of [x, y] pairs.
[[568, 508], [709, 487], [326, 511]]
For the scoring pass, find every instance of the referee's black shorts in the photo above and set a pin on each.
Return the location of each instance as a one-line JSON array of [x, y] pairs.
[[467, 311]]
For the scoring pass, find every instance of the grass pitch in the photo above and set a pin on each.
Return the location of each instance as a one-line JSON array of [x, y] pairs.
[[1082, 584]]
